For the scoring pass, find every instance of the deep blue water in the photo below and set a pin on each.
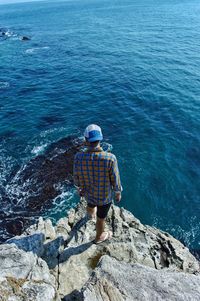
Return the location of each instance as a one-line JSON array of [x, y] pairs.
[[131, 66]]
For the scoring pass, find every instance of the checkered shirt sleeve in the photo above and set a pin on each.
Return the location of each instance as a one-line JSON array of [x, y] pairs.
[[114, 176]]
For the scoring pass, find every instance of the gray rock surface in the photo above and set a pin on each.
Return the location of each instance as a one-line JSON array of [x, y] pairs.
[[64, 258], [32, 243], [119, 281], [24, 276], [12, 289], [72, 256], [133, 242]]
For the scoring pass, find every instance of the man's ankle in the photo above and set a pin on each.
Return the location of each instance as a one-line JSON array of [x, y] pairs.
[[101, 236]]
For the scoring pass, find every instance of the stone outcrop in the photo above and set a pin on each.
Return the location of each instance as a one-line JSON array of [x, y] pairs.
[[34, 185], [66, 262], [117, 281], [24, 276]]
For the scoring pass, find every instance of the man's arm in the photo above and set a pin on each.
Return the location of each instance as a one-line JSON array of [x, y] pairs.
[[75, 173], [115, 180], [76, 176]]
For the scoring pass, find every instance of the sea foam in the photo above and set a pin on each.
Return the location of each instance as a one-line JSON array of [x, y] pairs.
[[4, 85], [36, 49]]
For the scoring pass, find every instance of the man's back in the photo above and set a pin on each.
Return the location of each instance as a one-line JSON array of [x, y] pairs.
[[96, 173]]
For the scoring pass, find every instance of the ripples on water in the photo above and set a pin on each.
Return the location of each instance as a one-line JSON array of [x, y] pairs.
[[131, 67]]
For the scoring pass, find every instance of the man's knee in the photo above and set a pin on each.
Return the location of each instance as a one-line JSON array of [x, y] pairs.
[[89, 209]]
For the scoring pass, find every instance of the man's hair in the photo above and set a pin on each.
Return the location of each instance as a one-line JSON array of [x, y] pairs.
[[94, 144]]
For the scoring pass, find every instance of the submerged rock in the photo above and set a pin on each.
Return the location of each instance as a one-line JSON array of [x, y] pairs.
[[24, 38], [8, 33], [33, 186], [41, 178]]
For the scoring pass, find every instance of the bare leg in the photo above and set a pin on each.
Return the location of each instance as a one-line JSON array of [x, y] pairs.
[[100, 226], [92, 211]]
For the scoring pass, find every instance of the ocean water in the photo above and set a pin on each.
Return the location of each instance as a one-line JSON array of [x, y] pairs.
[[132, 67]]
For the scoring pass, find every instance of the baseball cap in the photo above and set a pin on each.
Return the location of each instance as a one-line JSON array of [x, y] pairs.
[[93, 133]]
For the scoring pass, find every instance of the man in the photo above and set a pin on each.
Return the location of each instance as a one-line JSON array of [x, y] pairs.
[[96, 176]]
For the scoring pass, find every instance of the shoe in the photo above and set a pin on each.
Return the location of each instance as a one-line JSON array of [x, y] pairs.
[[107, 236]]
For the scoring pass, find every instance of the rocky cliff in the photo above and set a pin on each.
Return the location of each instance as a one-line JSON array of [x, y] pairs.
[[61, 263]]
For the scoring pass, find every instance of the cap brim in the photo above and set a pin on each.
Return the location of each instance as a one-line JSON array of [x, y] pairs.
[[96, 138]]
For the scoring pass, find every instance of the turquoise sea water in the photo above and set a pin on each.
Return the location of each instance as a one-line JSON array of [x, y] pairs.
[[130, 66]]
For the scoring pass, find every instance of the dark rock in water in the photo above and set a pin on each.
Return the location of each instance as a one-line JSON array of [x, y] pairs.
[[193, 154], [2, 36], [24, 38], [2, 32], [49, 120], [7, 135], [44, 174], [7, 33], [15, 227], [35, 185]]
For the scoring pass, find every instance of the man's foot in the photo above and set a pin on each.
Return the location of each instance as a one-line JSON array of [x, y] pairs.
[[105, 236]]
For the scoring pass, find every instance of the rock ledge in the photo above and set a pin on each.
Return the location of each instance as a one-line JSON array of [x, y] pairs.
[[61, 263]]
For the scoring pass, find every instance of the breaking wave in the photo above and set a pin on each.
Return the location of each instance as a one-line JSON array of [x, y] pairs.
[[37, 150], [4, 85], [36, 49]]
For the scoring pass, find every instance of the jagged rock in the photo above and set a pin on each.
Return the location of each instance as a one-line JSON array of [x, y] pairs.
[[71, 256], [12, 289], [119, 281], [49, 230], [32, 243], [132, 243], [17, 263], [24, 276], [63, 228]]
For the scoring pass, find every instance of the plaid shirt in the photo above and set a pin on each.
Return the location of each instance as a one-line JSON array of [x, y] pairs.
[[96, 174]]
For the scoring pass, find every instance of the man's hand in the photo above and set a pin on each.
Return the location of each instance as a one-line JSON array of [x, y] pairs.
[[118, 196]]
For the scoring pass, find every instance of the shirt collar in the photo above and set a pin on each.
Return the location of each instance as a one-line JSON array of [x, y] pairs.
[[95, 149]]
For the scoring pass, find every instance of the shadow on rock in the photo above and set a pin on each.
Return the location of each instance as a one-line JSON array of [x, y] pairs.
[[75, 296], [75, 229], [67, 253], [32, 243]]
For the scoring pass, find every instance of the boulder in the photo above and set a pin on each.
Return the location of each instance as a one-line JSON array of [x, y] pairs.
[[24, 276], [12, 289], [119, 281], [32, 243], [24, 38], [133, 242], [19, 264]]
